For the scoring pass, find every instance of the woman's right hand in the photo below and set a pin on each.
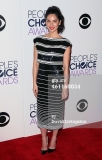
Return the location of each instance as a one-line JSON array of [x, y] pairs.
[[35, 90]]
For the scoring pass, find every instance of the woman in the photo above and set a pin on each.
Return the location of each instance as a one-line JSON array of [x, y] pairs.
[[51, 58]]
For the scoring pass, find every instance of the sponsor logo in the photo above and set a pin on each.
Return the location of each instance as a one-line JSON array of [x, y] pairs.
[[85, 21], [4, 119], [2, 23], [82, 105]]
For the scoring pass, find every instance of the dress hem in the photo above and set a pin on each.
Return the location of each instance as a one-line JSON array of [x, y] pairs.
[[49, 128]]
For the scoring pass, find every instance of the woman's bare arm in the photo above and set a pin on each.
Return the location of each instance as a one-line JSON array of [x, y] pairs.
[[35, 66], [66, 67]]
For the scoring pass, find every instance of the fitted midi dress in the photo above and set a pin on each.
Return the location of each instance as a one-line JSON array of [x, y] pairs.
[[50, 80]]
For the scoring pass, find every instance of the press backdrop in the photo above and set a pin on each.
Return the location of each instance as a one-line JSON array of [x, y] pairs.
[[20, 22]]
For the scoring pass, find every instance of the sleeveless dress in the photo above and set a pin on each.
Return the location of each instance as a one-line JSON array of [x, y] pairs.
[[50, 79]]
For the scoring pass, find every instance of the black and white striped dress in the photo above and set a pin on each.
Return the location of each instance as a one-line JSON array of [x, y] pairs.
[[50, 79]]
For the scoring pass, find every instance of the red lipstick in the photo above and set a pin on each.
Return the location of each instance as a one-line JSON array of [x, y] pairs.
[[51, 28]]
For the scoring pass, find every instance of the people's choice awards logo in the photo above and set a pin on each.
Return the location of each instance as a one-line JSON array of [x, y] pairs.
[[36, 22], [8, 72], [33, 112], [83, 65], [82, 105], [84, 21], [2, 23], [4, 119]]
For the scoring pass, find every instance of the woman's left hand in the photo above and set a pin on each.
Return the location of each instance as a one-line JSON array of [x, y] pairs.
[[65, 93]]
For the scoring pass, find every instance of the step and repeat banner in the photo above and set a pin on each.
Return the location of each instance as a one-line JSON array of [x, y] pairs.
[[11, 71], [20, 23]]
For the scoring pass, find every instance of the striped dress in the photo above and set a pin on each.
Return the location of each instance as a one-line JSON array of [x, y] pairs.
[[50, 79]]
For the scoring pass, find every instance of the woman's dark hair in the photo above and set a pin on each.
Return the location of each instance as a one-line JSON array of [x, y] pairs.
[[55, 10]]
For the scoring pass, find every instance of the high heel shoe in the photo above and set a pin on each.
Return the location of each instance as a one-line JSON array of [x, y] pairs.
[[51, 149], [45, 151]]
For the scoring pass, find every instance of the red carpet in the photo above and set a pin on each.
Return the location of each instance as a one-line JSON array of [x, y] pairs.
[[73, 144]]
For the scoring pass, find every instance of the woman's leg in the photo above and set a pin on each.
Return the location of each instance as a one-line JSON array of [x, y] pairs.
[[53, 139], [44, 138]]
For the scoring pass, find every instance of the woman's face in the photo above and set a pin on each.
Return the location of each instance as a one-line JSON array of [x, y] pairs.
[[52, 23]]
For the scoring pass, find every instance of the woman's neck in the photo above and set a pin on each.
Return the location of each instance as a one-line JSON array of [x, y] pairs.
[[53, 35]]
